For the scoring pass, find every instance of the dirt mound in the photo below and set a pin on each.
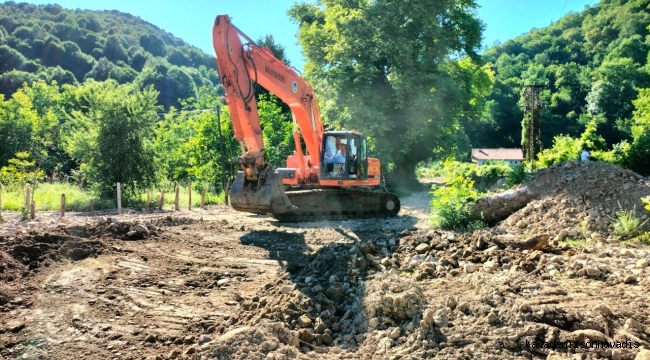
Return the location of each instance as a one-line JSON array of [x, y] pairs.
[[264, 341], [578, 200]]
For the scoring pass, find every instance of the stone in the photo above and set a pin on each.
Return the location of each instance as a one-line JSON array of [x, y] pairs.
[[204, 339], [521, 224], [470, 268], [141, 229], [643, 355], [336, 290], [630, 279], [16, 327], [222, 282], [440, 318], [189, 339], [394, 333], [306, 335], [562, 234], [321, 328], [131, 233], [422, 248], [596, 236], [176, 352], [492, 317], [627, 253], [452, 303], [304, 321], [150, 338], [592, 272], [633, 325], [641, 264], [603, 309], [190, 350], [489, 266], [327, 339], [463, 306]]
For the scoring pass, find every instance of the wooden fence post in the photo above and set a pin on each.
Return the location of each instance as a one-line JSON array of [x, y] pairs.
[[148, 200], [176, 200], [62, 208], [203, 199], [28, 199], [92, 207], [225, 194], [189, 189], [162, 199], [33, 209], [2, 188], [119, 199]]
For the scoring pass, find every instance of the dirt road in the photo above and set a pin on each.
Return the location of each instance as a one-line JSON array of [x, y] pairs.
[[226, 285]]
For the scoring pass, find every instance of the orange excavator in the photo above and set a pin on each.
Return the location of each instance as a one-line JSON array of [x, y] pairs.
[[334, 179]]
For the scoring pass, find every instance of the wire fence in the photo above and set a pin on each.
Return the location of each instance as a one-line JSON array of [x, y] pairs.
[[63, 197]]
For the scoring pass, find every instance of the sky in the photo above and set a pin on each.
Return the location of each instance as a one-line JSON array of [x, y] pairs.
[[191, 20]]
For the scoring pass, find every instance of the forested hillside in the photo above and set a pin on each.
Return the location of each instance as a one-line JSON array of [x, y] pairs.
[[72, 46], [594, 62]]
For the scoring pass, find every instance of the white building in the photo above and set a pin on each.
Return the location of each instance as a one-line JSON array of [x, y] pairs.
[[513, 157]]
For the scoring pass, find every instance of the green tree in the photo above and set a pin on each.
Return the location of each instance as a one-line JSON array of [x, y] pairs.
[[113, 49], [14, 80], [113, 138], [278, 50], [154, 44], [10, 59], [62, 76], [390, 69], [101, 71]]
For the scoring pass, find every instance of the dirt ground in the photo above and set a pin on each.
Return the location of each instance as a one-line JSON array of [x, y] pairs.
[[216, 283]]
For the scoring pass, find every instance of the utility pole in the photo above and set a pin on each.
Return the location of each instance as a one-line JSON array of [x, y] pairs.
[[533, 108], [223, 154]]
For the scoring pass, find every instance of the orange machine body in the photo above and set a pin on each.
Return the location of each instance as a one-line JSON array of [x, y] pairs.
[[240, 65]]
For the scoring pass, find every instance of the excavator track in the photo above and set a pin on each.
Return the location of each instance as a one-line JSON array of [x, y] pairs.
[[338, 204]]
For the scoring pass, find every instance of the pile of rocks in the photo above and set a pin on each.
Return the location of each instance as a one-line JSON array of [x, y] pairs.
[[579, 201], [438, 293]]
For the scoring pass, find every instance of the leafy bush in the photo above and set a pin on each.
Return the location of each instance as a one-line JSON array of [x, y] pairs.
[[484, 176], [488, 174], [564, 148], [451, 204], [517, 176], [638, 158]]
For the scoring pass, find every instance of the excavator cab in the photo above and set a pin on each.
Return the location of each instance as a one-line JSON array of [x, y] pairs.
[[344, 156]]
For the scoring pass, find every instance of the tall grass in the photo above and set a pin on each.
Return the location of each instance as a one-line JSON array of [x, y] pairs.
[[48, 198], [627, 224]]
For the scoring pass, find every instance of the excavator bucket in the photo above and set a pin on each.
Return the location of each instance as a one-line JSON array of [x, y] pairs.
[[270, 198]]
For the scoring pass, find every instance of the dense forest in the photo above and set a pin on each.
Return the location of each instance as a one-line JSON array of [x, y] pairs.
[[105, 97], [72, 46]]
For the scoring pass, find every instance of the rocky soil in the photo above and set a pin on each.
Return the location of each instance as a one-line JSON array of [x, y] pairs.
[[226, 285]]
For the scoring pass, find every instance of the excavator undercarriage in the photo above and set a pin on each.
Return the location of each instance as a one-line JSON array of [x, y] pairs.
[[288, 203]]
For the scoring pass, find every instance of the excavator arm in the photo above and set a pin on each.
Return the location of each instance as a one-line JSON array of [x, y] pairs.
[[241, 64]]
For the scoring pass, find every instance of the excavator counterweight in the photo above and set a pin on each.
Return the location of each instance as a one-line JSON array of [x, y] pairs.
[[332, 179]]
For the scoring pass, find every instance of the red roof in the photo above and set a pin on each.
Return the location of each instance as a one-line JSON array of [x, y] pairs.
[[497, 154]]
